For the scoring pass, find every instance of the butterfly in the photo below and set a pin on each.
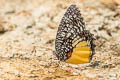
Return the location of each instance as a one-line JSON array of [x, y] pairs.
[[74, 44]]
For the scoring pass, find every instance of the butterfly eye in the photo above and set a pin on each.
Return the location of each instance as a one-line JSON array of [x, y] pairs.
[[72, 38]]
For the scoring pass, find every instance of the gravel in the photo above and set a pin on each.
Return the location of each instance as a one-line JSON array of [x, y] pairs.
[[27, 40]]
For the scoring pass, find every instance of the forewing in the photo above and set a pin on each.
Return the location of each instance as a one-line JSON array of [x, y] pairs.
[[70, 29]]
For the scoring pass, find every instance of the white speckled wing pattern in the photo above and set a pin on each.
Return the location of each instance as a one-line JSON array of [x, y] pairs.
[[71, 28]]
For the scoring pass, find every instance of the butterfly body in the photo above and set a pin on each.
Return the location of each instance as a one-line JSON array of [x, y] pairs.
[[73, 42]]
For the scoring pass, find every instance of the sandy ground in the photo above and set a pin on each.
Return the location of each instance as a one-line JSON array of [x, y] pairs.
[[27, 35]]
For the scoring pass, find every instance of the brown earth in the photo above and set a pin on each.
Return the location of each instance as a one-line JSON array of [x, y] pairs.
[[27, 35]]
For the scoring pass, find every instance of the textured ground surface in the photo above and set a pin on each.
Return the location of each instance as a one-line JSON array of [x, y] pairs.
[[27, 35]]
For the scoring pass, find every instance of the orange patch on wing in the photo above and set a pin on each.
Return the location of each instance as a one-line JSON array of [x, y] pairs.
[[81, 54]]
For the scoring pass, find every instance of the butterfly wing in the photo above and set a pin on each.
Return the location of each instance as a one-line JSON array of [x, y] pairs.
[[71, 29], [80, 54]]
